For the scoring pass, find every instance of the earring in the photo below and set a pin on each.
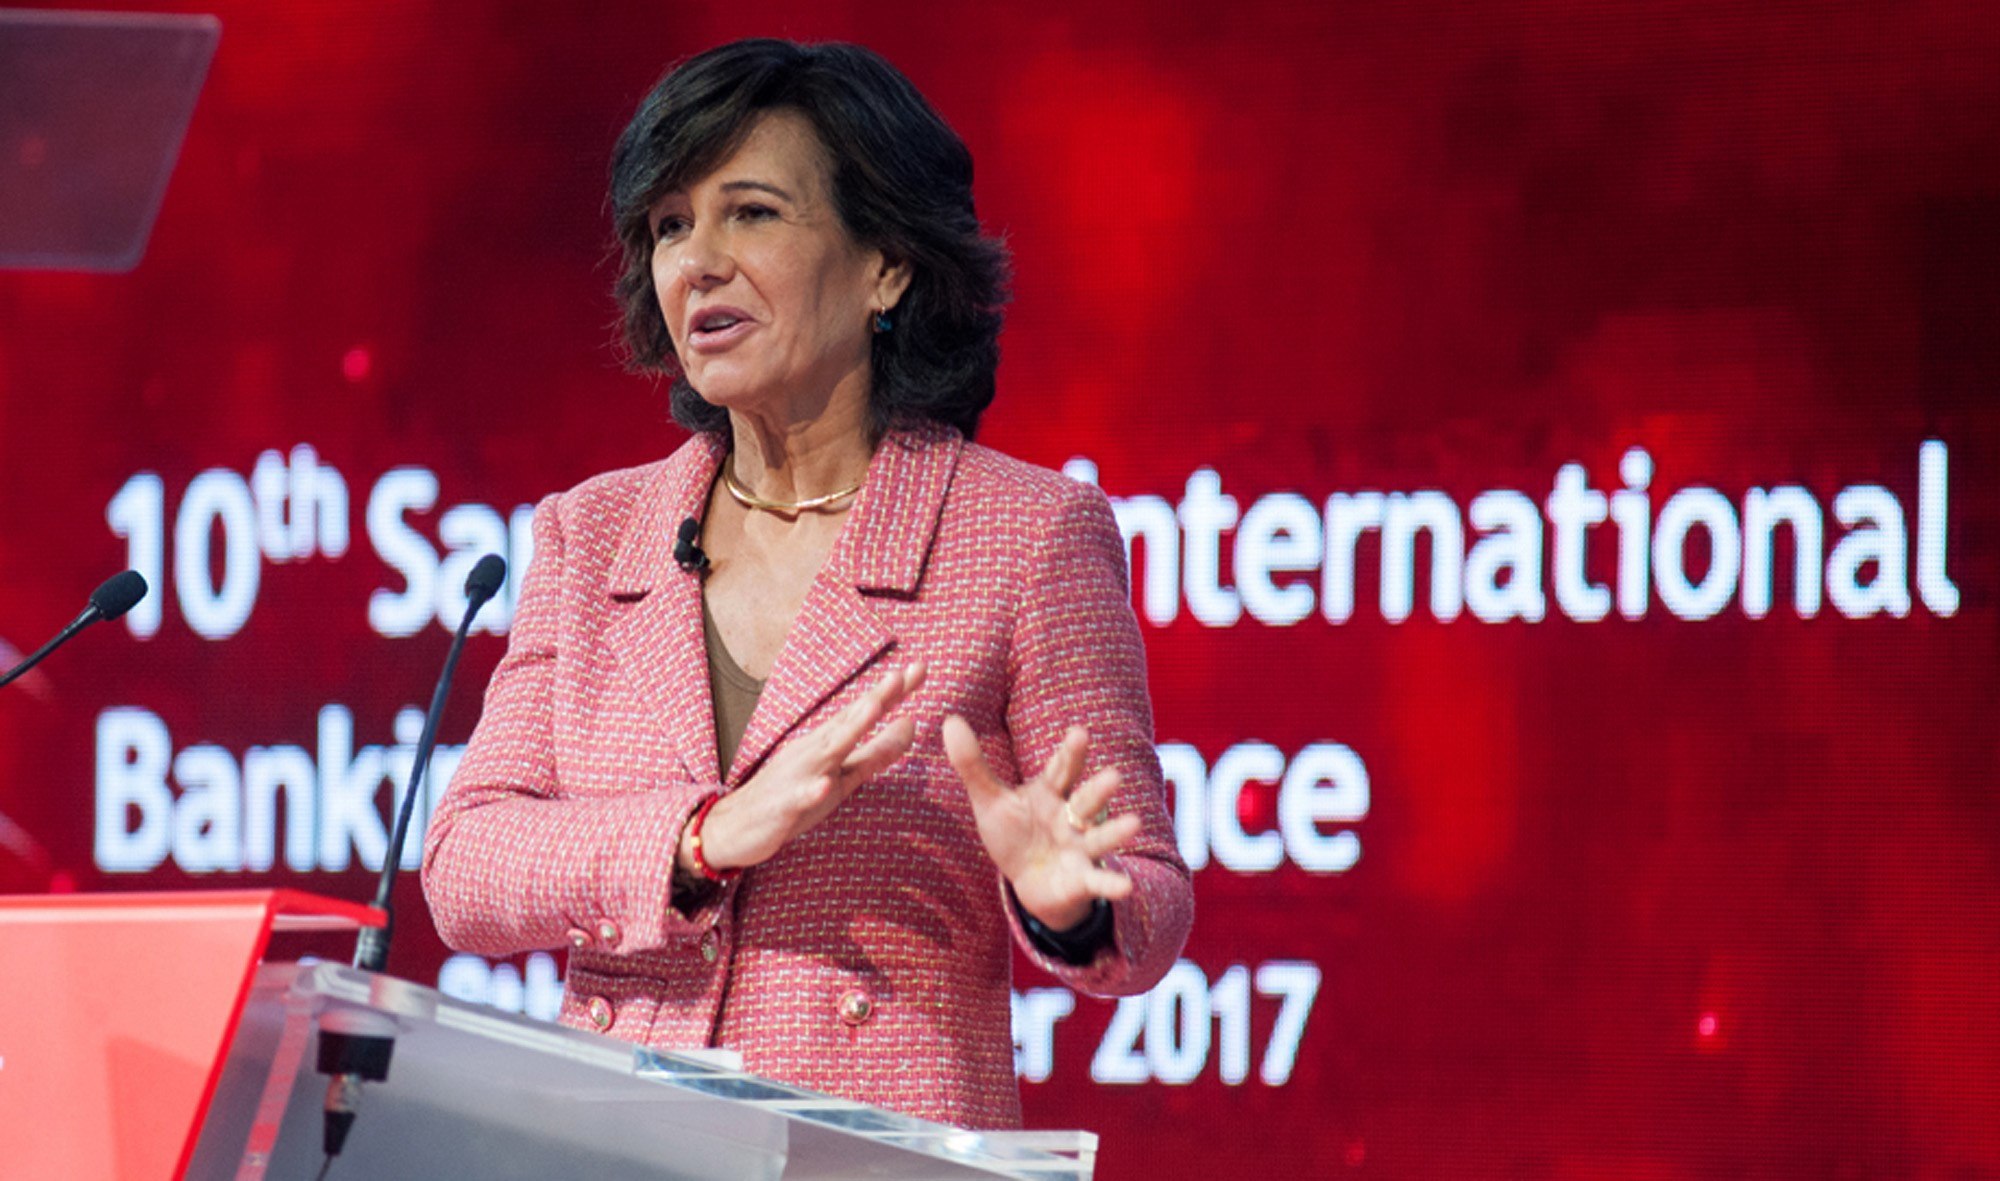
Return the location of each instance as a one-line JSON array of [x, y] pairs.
[[882, 323]]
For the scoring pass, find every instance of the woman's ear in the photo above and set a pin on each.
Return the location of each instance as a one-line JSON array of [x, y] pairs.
[[892, 279]]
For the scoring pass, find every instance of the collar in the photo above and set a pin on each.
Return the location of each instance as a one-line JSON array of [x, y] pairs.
[[882, 549]]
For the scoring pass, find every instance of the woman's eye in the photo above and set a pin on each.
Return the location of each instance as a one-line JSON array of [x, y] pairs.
[[756, 212], [669, 227]]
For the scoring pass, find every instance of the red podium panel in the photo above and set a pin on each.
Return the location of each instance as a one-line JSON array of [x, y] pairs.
[[116, 1012]]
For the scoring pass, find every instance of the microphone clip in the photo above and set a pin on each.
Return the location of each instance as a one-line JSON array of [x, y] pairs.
[[687, 551]]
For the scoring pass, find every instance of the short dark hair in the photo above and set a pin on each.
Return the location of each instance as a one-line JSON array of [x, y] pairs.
[[902, 183]]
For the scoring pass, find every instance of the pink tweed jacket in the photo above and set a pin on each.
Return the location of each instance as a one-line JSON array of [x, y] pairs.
[[870, 958]]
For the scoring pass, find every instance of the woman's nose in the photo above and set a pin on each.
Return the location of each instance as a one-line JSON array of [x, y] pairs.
[[704, 261]]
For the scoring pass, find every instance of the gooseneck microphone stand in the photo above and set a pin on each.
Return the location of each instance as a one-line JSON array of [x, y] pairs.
[[119, 594], [355, 1045]]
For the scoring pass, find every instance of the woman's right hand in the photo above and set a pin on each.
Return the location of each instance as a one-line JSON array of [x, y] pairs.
[[806, 779]]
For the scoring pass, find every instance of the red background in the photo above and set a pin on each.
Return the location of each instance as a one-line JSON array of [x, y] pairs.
[[1317, 248]]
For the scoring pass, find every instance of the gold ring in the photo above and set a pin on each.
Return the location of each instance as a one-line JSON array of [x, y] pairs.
[[1069, 814]]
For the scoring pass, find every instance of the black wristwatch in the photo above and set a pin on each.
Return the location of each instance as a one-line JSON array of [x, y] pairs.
[[1077, 946]]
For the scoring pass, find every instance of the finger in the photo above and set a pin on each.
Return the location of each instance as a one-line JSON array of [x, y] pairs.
[[1108, 884], [910, 678], [1102, 840], [874, 756], [845, 730], [1066, 761], [823, 793], [1094, 794], [961, 746], [889, 689], [898, 683]]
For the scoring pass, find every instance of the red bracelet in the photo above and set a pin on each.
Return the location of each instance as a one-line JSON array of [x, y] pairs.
[[701, 864]]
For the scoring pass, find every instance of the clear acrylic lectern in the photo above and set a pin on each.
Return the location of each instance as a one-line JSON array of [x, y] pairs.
[[476, 1093], [143, 1036]]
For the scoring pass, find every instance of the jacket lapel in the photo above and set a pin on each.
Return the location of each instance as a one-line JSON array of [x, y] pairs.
[[881, 552], [657, 635]]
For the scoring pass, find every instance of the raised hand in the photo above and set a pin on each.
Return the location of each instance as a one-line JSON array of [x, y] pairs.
[[1049, 836], [806, 779]]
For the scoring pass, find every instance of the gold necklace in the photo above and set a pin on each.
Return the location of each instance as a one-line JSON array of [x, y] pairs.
[[751, 500]]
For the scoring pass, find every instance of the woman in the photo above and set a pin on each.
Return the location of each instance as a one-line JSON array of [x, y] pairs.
[[801, 727]]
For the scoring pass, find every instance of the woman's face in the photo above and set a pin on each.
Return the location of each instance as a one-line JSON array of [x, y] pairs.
[[768, 298]]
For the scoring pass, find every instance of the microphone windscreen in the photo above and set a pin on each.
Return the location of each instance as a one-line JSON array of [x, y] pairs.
[[690, 528], [119, 594], [485, 579]]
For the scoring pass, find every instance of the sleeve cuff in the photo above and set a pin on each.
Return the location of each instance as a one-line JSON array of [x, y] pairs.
[[1076, 946]]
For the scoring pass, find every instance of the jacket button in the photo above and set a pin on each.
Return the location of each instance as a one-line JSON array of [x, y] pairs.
[[578, 937], [856, 1006], [711, 946], [600, 1013], [607, 932]]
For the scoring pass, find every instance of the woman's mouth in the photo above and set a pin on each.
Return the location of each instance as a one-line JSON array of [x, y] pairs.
[[717, 328]]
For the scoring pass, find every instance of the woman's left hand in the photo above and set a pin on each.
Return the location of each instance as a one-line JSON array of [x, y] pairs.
[[1047, 835]]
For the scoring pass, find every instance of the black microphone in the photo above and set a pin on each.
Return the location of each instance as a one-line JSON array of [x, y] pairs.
[[355, 1045], [119, 594], [687, 551]]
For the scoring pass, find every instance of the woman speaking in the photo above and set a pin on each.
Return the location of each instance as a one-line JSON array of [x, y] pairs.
[[801, 727]]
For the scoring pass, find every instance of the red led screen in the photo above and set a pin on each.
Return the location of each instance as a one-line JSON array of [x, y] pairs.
[[1556, 443]]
